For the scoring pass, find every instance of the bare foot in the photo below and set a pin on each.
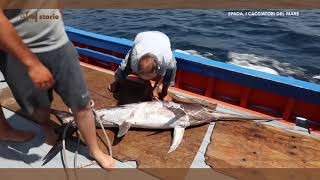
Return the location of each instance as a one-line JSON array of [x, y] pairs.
[[15, 135], [105, 161]]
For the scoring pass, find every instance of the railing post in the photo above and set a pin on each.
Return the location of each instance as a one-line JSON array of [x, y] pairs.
[[245, 97], [288, 109], [178, 78], [210, 87]]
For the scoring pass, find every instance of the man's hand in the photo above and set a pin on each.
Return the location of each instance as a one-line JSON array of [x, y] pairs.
[[11, 42], [155, 93], [40, 76], [164, 94], [113, 87], [167, 98]]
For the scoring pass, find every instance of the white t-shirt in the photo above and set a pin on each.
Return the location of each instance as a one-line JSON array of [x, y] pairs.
[[154, 42]]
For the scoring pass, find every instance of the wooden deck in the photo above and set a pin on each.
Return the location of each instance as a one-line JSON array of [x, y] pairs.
[[231, 144], [255, 145], [146, 148]]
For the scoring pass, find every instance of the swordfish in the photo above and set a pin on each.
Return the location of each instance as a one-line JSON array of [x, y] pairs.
[[159, 115]]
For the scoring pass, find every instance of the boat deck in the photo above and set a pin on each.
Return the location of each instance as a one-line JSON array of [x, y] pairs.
[[202, 146]]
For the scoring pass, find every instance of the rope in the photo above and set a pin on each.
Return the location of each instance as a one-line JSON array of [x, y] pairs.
[[97, 93], [96, 117], [75, 159], [64, 152]]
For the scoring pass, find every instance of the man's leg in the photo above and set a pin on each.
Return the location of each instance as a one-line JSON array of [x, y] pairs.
[[148, 90], [30, 99], [7, 133], [121, 73], [72, 88], [84, 119], [42, 116]]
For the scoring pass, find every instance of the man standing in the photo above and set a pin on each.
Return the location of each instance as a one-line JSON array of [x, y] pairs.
[[39, 58]]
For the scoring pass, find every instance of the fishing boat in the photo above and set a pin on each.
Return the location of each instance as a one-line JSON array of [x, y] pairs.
[[294, 101], [292, 141]]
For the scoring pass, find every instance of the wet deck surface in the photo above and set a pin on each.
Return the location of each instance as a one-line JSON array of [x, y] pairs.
[[233, 144]]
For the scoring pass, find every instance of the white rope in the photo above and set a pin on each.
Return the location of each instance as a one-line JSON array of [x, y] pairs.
[[106, 136], [75, 160], [96, 117], [64, 153], [104, 131]]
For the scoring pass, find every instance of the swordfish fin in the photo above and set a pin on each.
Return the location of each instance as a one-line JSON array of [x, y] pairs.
[[123, 129], [177, 138]]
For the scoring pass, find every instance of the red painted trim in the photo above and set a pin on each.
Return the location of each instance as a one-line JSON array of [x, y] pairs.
[[222, 103], [245, 97], [288, 109], [178, 78], [210, 87]]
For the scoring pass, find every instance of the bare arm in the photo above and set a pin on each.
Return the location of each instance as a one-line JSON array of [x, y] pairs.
[[169, 80], [11, 43]]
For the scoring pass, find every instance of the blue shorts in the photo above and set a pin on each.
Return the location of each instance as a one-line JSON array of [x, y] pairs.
[[64, 65]]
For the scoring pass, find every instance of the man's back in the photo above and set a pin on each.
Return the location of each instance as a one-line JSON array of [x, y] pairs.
[[154, 42]]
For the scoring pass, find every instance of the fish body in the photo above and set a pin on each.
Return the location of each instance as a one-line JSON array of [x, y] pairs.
[[156, 115]]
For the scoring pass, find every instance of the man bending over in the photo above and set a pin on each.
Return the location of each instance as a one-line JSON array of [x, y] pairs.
[[150, 58]]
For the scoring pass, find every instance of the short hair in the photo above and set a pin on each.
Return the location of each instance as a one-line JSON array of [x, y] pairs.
[[147, 64]]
